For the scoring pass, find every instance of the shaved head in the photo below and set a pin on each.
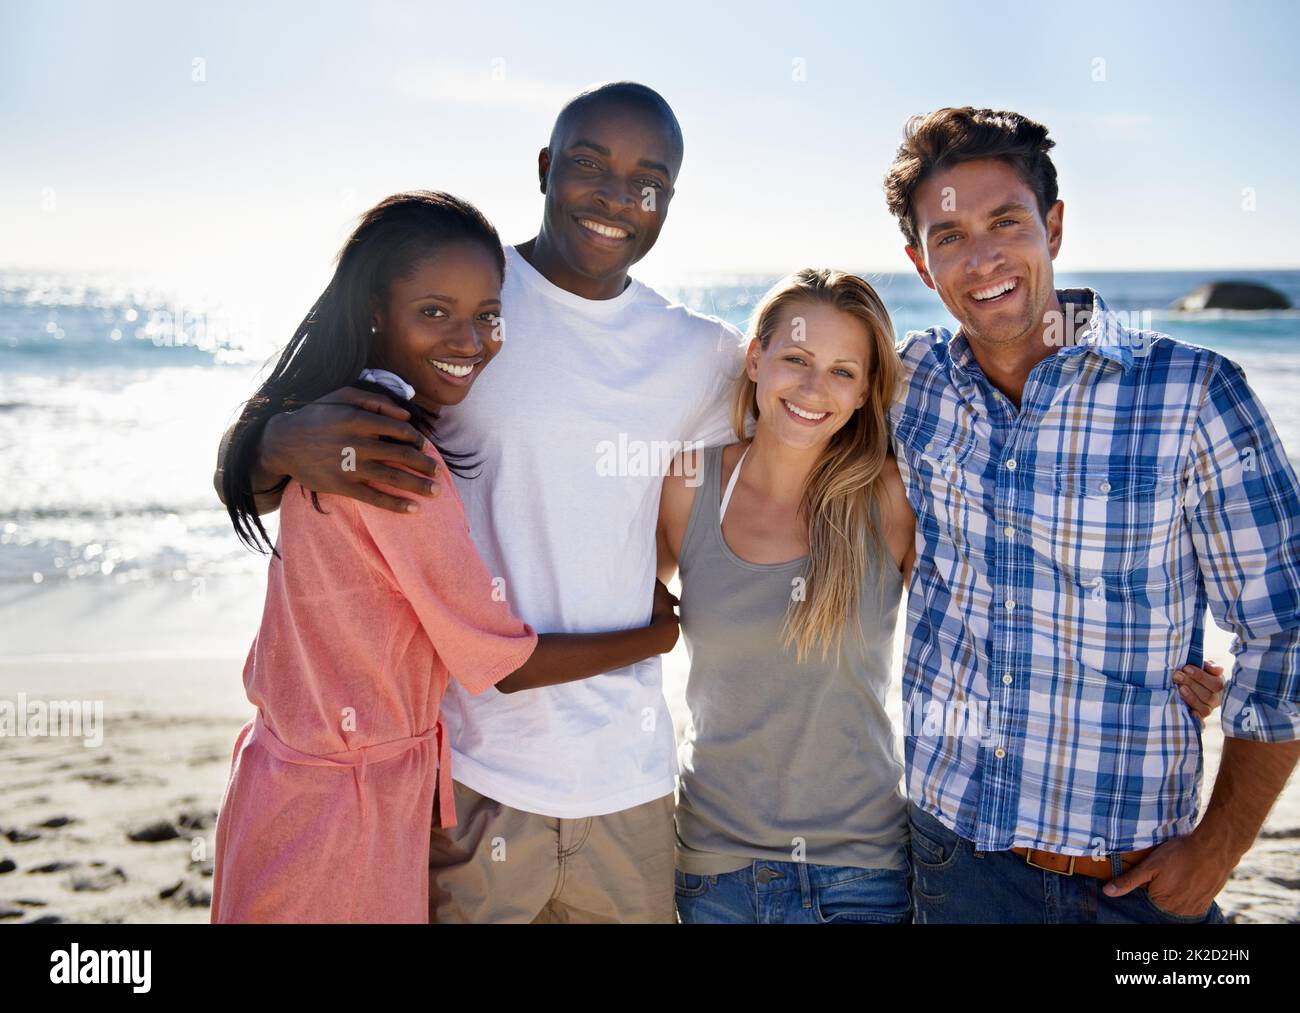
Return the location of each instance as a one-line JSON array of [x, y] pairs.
[[627, 95], [608, 173]]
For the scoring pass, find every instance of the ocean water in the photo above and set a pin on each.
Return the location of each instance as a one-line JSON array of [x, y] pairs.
[[113, 398]]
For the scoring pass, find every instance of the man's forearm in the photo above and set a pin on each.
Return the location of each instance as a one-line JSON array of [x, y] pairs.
[[1251, 777], [261, 478]]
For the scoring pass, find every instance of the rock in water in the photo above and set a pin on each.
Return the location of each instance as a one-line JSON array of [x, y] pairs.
[[1233, 295]]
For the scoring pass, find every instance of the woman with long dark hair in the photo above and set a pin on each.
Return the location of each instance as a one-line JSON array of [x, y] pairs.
[[369, 613]]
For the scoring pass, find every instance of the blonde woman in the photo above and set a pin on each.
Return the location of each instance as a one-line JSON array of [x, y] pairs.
[[793, 553], [794, 548]]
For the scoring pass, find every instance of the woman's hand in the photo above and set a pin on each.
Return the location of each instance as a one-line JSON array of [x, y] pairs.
[[567, 657], [1201, 688], [663, 618]]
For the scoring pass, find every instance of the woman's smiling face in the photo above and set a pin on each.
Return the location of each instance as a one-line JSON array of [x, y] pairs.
[[440, 326], [813, 375]]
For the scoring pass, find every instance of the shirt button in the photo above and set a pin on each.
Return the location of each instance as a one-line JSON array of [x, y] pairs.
[[1006, 680], [1009, 604], [929, 446], [1011, 464], [1009, 531], [1104, 487], [999, 752]]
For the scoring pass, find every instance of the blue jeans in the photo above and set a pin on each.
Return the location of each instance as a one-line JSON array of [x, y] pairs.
[[790, 892], [956, 883]]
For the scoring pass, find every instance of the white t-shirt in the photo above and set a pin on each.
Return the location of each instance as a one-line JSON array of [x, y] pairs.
[[574, 424]]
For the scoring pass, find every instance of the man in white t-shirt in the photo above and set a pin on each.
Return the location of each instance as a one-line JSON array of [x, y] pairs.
[[564, 795]]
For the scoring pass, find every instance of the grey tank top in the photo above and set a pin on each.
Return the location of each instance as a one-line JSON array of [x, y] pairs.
[[781, 761]]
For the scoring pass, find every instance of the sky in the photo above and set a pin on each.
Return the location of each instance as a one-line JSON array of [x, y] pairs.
[[229, 146]]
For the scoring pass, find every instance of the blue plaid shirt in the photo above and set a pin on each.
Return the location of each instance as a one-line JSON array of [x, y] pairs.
[[1067, 552]]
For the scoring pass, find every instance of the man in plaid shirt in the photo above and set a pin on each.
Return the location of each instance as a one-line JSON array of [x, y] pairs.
[[1084, 491]]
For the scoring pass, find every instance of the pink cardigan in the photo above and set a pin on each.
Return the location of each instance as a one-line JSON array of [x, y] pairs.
[[327, 812]]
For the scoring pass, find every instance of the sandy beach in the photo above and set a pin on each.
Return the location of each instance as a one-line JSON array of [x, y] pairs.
[[120, 830]]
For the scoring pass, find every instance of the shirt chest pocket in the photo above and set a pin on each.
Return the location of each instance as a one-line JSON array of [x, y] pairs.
[[1106, 528]]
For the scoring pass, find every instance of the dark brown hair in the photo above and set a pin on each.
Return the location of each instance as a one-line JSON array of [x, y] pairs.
[[333, 343], [947, 137]]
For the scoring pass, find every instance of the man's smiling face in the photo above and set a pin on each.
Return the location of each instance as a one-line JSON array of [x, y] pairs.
[[986, 249], [608, 178]]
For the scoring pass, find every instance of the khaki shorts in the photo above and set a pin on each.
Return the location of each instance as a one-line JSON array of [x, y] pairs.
[[499, 864]]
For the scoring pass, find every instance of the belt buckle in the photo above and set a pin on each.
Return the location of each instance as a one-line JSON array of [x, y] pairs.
[[1029, 859]]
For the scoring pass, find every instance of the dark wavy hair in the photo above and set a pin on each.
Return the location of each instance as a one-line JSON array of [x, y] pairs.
[[333, 344], [947, 137]]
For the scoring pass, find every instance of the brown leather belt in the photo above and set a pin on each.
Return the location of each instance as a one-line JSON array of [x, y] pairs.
[[1080, 865]]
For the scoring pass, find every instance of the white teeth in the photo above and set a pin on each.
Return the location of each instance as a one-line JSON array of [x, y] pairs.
[[995, 291], [803, 414], [447, 367], [603, 230]]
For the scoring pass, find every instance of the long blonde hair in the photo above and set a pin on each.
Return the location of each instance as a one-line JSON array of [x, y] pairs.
[[841, 497]]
